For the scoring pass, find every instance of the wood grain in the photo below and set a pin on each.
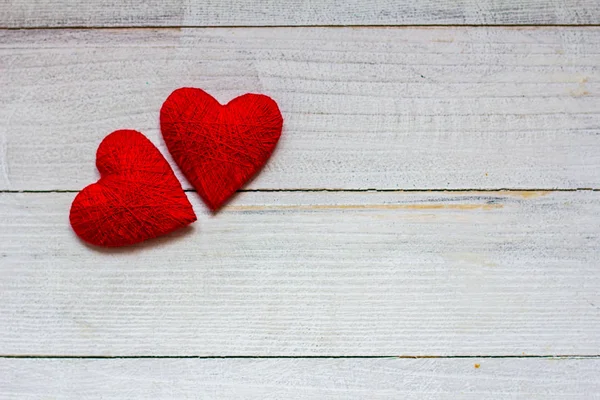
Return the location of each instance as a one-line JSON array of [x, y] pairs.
[[301, 379], [110, 13], [292, 274], [364, 108], [316, 273]]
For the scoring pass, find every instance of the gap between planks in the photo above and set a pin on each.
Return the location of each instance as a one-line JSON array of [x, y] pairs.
[[418, 26], [99, 357], [524, 192]]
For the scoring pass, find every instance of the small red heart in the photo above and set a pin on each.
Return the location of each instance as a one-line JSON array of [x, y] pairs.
[[219, 147], [137, 197]]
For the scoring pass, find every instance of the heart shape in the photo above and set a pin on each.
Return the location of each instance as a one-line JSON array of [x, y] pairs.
[[137, 197], [219, 147]]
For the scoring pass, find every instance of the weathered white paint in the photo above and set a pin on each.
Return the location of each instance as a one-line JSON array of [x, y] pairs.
[[364, 108], [110, 13], [312, 274], [422, 379]]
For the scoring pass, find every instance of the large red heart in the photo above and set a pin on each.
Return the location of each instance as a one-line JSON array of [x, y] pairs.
[[137, 197], [219, 147]]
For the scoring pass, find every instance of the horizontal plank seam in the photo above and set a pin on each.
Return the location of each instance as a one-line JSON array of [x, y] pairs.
[[450, 26], [100, 357], [369, 190]]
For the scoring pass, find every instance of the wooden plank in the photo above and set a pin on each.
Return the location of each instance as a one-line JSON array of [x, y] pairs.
[[108, 13], [364, 108], [300, 378], [496, 273]]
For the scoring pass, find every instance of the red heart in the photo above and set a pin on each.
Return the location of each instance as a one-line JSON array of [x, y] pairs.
[[137, 197], [219, 147]]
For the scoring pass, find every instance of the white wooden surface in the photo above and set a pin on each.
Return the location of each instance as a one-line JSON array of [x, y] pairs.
[[297, 274], [110, 13], [493, 274], [414, 108], [423, 379]]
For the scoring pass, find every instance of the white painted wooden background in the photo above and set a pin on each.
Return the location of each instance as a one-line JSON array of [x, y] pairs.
[[427, 228], [194, 13]]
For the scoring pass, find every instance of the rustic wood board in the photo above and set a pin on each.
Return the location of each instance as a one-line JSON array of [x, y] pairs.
[[420, 379], [110, 13], [296, 274], [488, 273], [364, 108]]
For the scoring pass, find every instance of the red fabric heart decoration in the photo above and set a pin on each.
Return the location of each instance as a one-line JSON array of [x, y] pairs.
[[137, 197], [219, 147]]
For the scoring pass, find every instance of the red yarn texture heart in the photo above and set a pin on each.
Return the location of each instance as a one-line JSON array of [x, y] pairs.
[[219, 147], [137, 197]]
